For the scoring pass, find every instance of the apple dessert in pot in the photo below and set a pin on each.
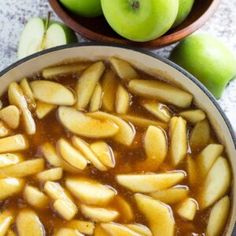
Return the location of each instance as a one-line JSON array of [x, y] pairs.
[[101, 148]]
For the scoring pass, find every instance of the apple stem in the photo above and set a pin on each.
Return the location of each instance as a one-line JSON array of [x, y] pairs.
[[48, 21], [135, 4]]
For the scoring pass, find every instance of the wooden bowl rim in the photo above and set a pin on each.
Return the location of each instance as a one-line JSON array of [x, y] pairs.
[[156, 43]]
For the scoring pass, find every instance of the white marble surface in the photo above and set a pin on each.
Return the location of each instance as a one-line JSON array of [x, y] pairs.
[[15, 13]]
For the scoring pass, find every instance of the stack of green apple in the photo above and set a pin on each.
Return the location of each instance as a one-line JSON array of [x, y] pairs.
[[136, 20]]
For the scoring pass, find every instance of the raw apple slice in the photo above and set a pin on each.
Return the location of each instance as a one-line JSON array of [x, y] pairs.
[[6, 219], [126, 132], [104, 152], [67, 232], [187, 209], [150, 182], [35, 197], [84, 125], [85, 227], [11, 116], [207, 157], [123, 69], [218, 217], [171, 195], [114, 229], [52, 93], [43, 109], [193, 116], [98, 214], [140, 229], [200, 136], [216, 183], [8, 159], [122, 100], [10, 187], [109, 86], [161, 91], [159, 110], [50, 175], [71, 155], [140, 26], [87, 83], [39, 34], [159, 215], [85, 149], [156, 147], [96, 99], [178, 140], [89, 191], [28, 223]]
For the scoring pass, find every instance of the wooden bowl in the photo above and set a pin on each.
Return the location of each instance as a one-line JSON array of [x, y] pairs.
[[98, 29]]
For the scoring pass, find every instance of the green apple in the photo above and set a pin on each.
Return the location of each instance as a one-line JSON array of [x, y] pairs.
[[185, 7], [87, 8], [38, 35], [208, 59], [140, 20]]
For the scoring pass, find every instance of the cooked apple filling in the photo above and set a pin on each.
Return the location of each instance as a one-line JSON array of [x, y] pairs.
[[101, 148]]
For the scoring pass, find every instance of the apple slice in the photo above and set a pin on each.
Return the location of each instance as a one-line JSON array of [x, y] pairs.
[[71, 155], [17, 98], [55, 71], [161, 91], [156, 147], [124, 208], [171, 195], [8, 159], [157, 109], [187, 209], [11, 116], [35, 197], [28, 93], [200, 136], [28, 223], [207, 157], [4, 130], [23, 169], [13, 143], [43, 109], [10, 187], [87, 83], [81, 124], [178, 140], [122, 100], [123, 69], [216, 183], [85, 149], [126, 132], [99, 231], [149, 182], [49, 153], [159, 215], [96, 99], [109, 86], [68, 232], [65, 208], [50, 175], [193, 116], [143, 122], [104, 153], [85, 227], [98, 214], [192, 171], [52, 92], [89, 191], [6, 219], [140, 229], [36, 36], [218, 217], [114, 229]]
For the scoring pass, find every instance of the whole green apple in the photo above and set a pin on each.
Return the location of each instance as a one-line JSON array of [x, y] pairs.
[[140, 20], [185, 7], [208, 59], [86, 8]]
